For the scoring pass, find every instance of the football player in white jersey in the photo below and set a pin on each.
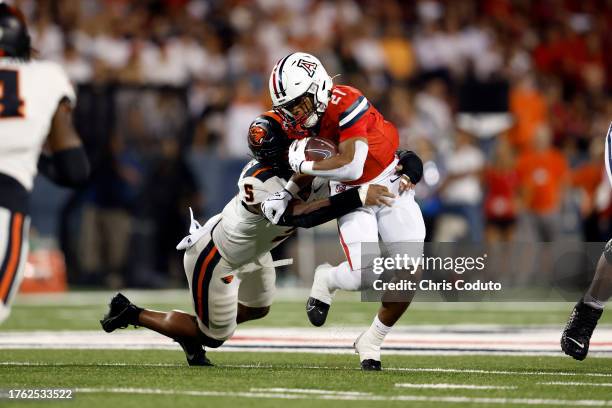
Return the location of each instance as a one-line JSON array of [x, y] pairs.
[[36, 102], [585, 315], [227, 261]]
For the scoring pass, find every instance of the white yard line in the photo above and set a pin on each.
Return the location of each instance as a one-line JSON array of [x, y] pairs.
[[443, 386], [301, 367], [309, 391], [338, 397], [497, 372], [572, 383]]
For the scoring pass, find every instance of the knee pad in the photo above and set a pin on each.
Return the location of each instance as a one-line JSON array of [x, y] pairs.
[[607, 252]]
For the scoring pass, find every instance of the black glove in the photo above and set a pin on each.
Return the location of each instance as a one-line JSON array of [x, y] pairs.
[[412, 166]]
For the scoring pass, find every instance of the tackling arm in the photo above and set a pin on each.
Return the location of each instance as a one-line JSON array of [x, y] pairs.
[[318, 212]]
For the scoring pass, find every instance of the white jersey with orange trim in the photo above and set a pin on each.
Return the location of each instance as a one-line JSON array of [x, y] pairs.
[[30, 94], [241, 235]]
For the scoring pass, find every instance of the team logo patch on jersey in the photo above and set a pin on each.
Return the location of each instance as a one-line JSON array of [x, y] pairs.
[[257, 135], [227, 279], [310, 67], [340, 188]]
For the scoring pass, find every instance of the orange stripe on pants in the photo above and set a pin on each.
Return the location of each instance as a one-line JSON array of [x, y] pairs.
[[201, 279], [11, 266]]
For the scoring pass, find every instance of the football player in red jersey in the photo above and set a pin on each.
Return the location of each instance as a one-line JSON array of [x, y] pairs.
[[303, 94]]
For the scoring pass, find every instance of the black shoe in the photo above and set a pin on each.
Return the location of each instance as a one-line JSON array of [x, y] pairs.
[[121, 313], [316, 311], [195, 353], [579, 329], [371, 365]]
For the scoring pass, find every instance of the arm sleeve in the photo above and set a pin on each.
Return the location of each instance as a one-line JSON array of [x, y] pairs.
[[348, 172], [340, 204], [68, 167]]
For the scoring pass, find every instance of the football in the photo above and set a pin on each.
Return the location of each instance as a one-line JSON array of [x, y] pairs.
[[318, 149]]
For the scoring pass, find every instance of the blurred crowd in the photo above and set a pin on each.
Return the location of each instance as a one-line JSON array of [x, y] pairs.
[[507, 102]]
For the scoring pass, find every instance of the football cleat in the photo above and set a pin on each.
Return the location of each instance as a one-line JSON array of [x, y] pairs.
[[121, 313], [194, 352], [320, 298], [371, 365], [579, 329], [316, 311], [369, 353]]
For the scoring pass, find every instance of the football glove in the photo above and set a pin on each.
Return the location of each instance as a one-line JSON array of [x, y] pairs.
[[275, 205], [412, 165], [297, 154]]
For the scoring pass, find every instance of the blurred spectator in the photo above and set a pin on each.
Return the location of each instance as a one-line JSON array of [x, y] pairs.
[[106, 227], [461, 190], [244, 107], [528, 106], [501, 201], [543, 173], [586, 178]]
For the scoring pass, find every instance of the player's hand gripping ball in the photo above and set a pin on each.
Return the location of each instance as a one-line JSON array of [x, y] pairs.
[[275, 205], [297, 154], [310, 149]]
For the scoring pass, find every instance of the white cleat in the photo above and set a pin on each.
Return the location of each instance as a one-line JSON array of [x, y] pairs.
[[369, 352]]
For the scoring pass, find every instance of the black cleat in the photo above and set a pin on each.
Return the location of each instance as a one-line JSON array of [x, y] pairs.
[[121, 313], [579, 329], [371, 365], [316, 311], [194, 352]]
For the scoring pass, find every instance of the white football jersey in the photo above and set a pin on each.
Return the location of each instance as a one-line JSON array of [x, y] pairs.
[[29, 97], [242, 236]]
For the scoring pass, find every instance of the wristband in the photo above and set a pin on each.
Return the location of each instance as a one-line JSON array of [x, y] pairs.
[[306, 167], [292, 187]]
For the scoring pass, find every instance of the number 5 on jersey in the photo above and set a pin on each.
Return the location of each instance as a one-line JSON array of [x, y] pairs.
[[11, 105]]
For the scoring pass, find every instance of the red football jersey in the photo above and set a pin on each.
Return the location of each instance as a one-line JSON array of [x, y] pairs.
[[348, 115]]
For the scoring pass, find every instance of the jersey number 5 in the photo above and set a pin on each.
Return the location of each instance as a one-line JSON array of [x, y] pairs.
[[248, 193], [11, 105]]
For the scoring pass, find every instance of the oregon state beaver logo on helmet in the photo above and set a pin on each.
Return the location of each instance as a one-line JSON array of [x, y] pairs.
[[257, 135]]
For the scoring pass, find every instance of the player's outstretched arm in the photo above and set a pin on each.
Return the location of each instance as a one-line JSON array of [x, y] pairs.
[[67, 165], [307, 215], [347, 165]]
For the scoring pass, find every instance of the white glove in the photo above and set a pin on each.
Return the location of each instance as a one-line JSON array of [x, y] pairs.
[[297, 154], [275, 205]]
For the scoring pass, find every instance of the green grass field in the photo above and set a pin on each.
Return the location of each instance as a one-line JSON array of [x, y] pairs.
[[159, 378]]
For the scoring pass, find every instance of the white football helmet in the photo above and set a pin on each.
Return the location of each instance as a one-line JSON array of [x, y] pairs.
[[294, 79]]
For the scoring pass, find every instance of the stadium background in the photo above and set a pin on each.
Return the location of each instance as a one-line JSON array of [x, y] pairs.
[[507, 102]]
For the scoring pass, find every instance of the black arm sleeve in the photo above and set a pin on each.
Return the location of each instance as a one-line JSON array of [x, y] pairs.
[[68, 167], [340, 204]]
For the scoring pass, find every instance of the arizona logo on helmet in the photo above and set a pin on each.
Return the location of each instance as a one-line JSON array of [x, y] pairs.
[[309, 66]]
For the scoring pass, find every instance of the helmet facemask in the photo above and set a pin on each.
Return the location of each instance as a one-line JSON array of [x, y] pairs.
[[303, 111]]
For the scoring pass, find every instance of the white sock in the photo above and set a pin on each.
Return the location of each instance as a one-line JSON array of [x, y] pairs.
[[594, 303], [342, 277], [378, 331]]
